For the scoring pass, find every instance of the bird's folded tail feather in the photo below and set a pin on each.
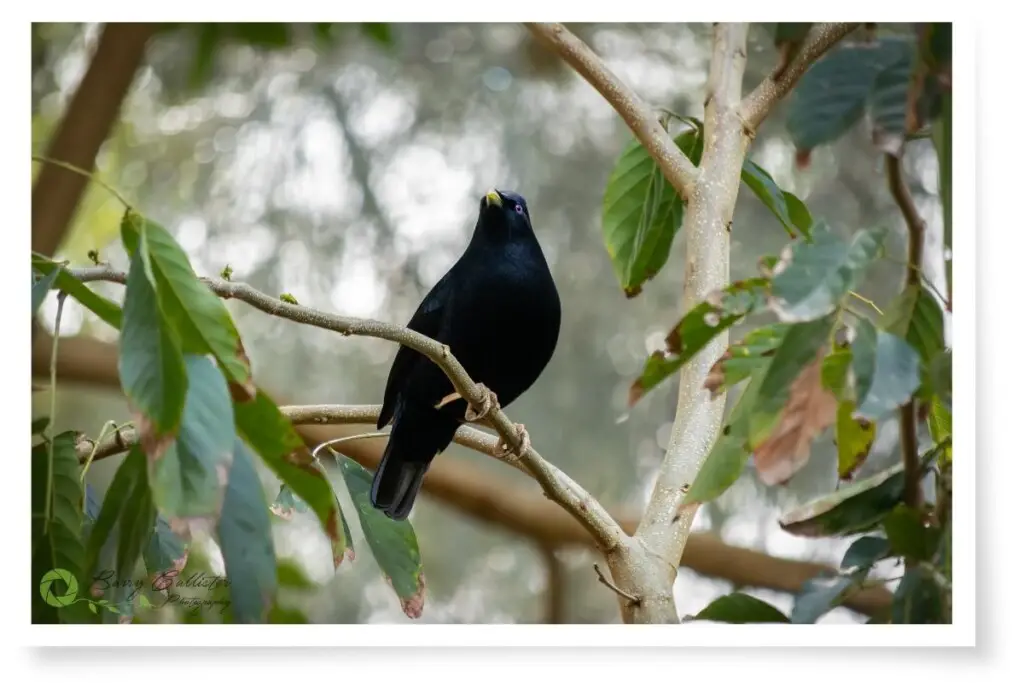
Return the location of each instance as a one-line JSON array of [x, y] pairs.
[[412, 445]]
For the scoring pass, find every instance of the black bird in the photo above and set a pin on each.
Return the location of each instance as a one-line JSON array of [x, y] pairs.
[[498, 311]]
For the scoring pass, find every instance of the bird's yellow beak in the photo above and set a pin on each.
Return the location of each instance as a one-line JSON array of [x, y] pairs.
[[493, 198]]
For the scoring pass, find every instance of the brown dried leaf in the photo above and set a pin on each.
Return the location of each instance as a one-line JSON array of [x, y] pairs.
[[810, 409]]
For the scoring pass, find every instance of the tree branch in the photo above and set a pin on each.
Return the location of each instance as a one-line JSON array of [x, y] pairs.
[[760, 101], [556, 484], [86, 124], [912, 494], [471, 491], [637, 114]]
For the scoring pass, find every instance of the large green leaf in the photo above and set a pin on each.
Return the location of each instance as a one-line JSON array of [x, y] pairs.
[[886, 371], [392, 543], [272, 437], [699, 326], [916, 316], [150, 362], [187, 475], [853, 509], [199, 318], [729, 454], [853, 439], [642, 212], [833, 95], [800, 347], [822, 272], [244, 534], [786, 206], [908, 534], [740, 608], [107, 311], [888, 100], [56, 529], [865, 552]]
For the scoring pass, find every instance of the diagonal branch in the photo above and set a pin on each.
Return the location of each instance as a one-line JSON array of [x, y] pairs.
[[556, 484], [637, 114], [760, 101]]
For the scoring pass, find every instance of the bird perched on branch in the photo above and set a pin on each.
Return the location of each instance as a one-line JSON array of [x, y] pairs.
[[498, 311]]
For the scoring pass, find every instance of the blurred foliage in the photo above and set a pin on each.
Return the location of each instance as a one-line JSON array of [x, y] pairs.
[[341, 163]]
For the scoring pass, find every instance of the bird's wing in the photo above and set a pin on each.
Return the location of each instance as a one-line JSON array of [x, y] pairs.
[[427, 321]]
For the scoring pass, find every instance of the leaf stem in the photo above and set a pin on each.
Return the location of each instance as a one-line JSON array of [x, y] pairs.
[[48, 504], [80, 171], [866, 300]]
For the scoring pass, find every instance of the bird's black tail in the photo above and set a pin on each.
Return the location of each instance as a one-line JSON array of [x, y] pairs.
[[412, 445]]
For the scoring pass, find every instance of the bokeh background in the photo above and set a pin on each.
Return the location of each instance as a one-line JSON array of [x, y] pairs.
[[344, 166]]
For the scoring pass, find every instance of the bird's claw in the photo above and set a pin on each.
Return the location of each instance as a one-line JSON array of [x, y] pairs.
[[490, 403], [509, 454]]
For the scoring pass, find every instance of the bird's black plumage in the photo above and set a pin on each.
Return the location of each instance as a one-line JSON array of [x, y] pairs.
[[498, 311]]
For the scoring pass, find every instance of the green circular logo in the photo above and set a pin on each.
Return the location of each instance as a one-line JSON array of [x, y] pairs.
[[49, 591]]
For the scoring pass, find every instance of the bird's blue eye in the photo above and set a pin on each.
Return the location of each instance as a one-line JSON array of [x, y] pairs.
[[519, 208]]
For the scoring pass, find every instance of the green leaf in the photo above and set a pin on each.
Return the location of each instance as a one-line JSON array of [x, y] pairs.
[[835, 371], [916, 317], [865, 552], [39, 425], [150, 363], [740, 608], [908, 535], [940, 426], [56, 529], [272, 437], [820, 595], [887, 102], [187, 475], [917, 600], [853, 439], [380, 33], [291, 575], [697, 329], [942, 138], [642, 212], [729, 454], [392, 543], [820, 273], [786, 206], [107, 311], [198, 317], [41, 287], [742, 358], [128, 505], [287, 503], [245, 539], [800, 347], [886, 371], [853, 509], [166, 552], [833, 94]]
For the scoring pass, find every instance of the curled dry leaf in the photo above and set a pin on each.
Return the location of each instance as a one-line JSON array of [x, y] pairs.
[[811, 408]]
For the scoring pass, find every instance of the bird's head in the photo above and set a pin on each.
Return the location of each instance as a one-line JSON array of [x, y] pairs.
[[503, 216]]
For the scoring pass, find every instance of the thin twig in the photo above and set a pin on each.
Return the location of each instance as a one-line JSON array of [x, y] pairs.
[[912, 494], [632, 599], [866, 300], [81, 171], [637, 114], [48, 504], [759, 102], [559, 487]]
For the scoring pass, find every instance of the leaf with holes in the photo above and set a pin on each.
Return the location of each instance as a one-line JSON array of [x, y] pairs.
[[56, 527], [699, 326], [740, 608], [273, 438], [198, 317], [886, 371], [188, 476], [854, 438], [817, 275], [854, 509], [392, 543], [105, 309], [786, 206], [244, 536], [642, 212], [150, 363]]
